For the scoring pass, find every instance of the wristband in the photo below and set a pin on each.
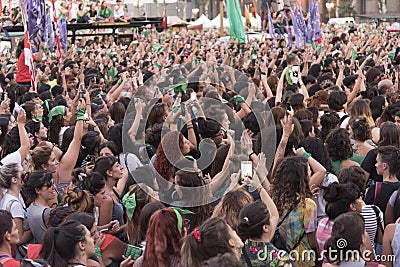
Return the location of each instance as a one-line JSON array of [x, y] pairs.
[[306, 155], [81, 115], [97, 252], [238, 99], [251, 154], [119, 81], [189, 127]]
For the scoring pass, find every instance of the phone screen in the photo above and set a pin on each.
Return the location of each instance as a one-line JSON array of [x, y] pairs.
[[133, 252], [193, 96], [295, 68], [246, 169]]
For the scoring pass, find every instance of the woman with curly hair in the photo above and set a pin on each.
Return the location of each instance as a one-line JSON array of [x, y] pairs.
[[329, 121], [230, 206], [340, 150], [166, 228], [360, 132], [292, 195]]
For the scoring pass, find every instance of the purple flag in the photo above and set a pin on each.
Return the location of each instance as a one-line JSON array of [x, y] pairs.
[[50, 29], [271, 28], [316, 23], [289, 41], [62, 25], [311, 14], [298, 35], [36, 21], [300, 19]]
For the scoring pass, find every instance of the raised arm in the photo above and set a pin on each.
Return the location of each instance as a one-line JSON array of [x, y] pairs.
[[23, 135], [279, 89], [68, 161], [318, 170]]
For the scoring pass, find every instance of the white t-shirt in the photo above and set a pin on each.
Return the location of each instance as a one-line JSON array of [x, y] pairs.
[[14, 205], [321, 203], [14, 157], [118, 11]]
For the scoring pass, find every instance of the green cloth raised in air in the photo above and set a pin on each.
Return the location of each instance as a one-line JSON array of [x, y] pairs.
[[235, 20]]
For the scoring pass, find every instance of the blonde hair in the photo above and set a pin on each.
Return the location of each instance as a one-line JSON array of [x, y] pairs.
[[361, 108], [39, 156], [230, 206]]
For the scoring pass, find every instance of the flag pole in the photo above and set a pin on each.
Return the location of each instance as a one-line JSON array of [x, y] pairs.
[[221, 19]]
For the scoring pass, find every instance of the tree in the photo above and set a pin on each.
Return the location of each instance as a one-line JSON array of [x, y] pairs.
[[346, 8]]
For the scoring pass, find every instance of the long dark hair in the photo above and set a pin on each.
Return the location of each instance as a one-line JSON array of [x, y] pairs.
[[59, 243], [214, 240], [290, 183]]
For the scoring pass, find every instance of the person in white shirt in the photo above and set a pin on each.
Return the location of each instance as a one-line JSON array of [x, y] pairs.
[[119, 13]]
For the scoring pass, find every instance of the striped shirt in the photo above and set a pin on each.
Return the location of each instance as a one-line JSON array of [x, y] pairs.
[[370, 220]]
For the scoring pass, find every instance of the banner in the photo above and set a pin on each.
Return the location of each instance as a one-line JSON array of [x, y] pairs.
[[235, 20], [27, 46]]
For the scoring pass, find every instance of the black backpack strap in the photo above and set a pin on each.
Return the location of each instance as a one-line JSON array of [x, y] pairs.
[[246, 257], [345, 116], [299, 241], [378, 222]]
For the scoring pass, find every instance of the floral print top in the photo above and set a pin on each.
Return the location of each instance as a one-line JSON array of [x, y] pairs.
[[265, 254], [299, 222]]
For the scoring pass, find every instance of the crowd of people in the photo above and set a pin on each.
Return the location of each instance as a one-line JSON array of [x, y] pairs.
[[130, 154]]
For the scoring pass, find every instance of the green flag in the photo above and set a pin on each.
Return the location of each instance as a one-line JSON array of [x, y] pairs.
[[235, 20]]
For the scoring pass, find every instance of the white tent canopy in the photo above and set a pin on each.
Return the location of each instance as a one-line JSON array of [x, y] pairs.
[[215, 23], [174, 20], [201, 21]]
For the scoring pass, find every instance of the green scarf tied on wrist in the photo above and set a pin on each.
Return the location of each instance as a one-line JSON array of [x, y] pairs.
[[129, 202], [179, 212], [57, 111], [81, 115]]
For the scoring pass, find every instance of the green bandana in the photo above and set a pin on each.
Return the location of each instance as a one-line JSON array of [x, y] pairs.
[[238, 99], [158, 48], [57, 111], [180, 87], [178, 212], [129, 203], [81, 115]]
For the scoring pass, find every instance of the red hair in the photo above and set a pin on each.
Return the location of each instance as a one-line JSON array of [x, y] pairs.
[[170, 142], [162, 239]]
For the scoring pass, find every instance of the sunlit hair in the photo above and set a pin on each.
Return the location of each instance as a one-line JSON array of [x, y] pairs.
[[39, 156], [360, 108], [230, 206]]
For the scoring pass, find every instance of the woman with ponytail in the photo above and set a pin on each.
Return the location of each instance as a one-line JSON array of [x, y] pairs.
[[257, 224], [69, 244], [213, 237], [166, 229]]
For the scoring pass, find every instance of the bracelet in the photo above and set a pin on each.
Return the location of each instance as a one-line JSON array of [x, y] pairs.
[[306, 155], [251, 154]]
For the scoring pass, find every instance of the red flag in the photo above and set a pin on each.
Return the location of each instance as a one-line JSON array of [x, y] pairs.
[[29, 60], [55, 19], [164, 21]]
